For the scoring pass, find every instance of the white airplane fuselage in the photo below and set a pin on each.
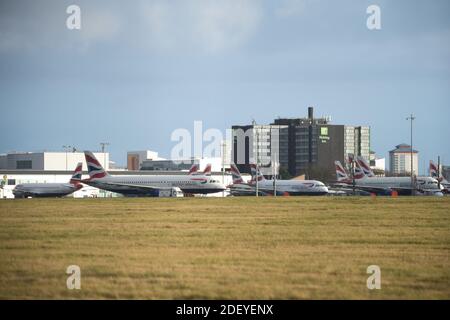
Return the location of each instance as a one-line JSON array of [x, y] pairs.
[[149, 185], [291, 187], [294, 187], [43, 190], [426, 184]]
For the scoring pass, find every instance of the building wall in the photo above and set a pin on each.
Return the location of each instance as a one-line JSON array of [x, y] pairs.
[[182, 165], [446, 172], [133, 161], [400, 162], [135, 158], [357, 141], [257, 144], [266, 151], [36, 161], [306, 148], [379, 164], [3, 161], [51, 160], [331, 146], [68, 161], [364, 142]]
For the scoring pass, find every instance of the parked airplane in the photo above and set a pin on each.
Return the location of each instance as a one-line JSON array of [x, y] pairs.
[[284, 187], [50, 189], [386, 185], [147, 185], [434, 173], [239, 186]]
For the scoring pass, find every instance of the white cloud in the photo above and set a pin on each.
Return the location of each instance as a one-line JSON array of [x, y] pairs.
[[99, 25], [208, 26], [43, 25], [289, 8], [205, 26]]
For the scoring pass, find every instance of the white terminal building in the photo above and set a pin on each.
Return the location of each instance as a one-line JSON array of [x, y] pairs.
[[377, 163], [48, 161], [57, 167]]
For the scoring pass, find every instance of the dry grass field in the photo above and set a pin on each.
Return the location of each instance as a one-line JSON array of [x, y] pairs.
[[229, 248]]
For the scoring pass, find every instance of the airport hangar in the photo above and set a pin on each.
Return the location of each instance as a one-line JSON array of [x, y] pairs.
[[57, 167]]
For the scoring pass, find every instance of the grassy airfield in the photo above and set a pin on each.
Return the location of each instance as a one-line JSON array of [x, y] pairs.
[[231, 248]]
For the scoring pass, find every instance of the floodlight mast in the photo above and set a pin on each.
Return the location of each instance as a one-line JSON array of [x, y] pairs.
[[411, 118]]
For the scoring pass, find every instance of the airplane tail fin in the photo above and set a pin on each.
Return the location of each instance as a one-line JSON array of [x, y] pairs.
[[76, 177], [236, 175], [433, 170], [193, 170], [359, 171], [341, 175], [365, 167], [256, 173], [95, 169], [207, 171]]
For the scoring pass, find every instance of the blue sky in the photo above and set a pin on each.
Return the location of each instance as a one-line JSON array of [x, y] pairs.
[[134, 73]]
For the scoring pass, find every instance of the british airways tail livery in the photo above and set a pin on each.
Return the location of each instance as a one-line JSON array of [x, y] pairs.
[[365, 166], [193, 170], [95, 169], [256, 173], [207, 171], [235, 174], [435, 174], [359, 172], [341, 174]]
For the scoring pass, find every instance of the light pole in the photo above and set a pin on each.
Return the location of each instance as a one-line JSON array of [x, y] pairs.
[[104, 144], [275, 171], [65, 149], [411, 118], [439, 172], [351, 159], [256, 166], [223, 165], [255, 130]]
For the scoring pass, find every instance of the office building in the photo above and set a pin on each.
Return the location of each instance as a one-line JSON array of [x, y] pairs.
[[400, 160], [299, 144]]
